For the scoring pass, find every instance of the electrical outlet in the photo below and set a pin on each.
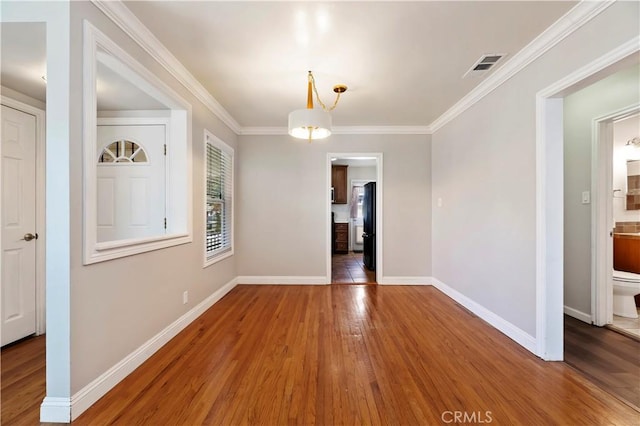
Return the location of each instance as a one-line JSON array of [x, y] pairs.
[[439, 202], [185, 297]]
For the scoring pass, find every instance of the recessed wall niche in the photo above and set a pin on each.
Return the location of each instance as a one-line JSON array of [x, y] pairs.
[[137, 177]]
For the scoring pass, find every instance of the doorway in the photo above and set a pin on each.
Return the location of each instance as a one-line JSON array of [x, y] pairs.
[[613, 213], [354, 237], [550, 259], [20, 260], [23, 235]]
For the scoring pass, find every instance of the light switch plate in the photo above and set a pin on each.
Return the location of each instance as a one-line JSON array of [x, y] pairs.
[[586, 197]]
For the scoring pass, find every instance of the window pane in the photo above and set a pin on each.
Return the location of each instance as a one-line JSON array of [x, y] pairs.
[[219, 165], [123, 151]]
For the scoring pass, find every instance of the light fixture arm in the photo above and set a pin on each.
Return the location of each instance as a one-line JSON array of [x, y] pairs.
[[310, 83], [338, 89]]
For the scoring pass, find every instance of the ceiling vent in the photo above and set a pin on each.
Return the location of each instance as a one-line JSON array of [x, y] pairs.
[[484, 64]]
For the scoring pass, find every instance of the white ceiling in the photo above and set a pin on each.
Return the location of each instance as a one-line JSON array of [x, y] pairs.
[[403, 61], [23, 58]]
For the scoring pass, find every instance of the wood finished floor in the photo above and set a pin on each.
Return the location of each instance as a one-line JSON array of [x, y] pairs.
[[329, 355], [610, 359], [22, 381], [349, 269]]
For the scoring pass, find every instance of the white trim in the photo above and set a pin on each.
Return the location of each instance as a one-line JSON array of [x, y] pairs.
[[263, 131], [602, 214], [134, 28], [220, 144], [549, 228], [379, 208], [344, 130], [55, 410], [549, 297], [40, 206], [56, 15], [615, 55], [89, 394], [284, 280], [579, 15], [579, 315], [518, 335], [178, 169], [405, 281]]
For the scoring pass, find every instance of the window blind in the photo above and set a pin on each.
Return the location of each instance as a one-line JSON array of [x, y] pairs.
[[219, 164]]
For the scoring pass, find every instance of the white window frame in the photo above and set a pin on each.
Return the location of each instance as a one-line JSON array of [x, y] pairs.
[[179, 197], [211, 139]]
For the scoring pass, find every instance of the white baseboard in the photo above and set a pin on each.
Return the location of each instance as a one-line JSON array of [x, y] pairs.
[[405, 281], [88, 395], [579, 315], [521, 337], [286, 280], [55, 410]]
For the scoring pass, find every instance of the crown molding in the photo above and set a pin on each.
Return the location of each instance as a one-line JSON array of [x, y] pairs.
[[575, 18], [134, 28], [344, 130], [263, 131], [381, 130]]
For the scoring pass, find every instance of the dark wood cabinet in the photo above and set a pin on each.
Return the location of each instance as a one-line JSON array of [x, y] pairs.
[[339, 184], [626, 253], [341, 235]]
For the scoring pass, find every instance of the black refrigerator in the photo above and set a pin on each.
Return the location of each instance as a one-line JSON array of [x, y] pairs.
[[369, 226]]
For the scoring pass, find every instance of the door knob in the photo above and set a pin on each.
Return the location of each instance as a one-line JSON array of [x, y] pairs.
[[30, 236]]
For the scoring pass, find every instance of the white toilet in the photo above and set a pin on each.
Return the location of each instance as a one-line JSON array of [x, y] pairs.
[[625, 286]]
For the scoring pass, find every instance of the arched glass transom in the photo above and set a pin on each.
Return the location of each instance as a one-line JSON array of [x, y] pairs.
[[123, 151]]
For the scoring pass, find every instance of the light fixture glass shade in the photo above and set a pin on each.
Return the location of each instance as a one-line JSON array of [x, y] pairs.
[[309, 124]]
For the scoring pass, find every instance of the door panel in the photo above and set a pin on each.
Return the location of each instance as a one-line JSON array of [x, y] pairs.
[[131, 194], [18, 218]]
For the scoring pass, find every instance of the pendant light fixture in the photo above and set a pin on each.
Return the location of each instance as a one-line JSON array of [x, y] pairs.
[[310, 123]]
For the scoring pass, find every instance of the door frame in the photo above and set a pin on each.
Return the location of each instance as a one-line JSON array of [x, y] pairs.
[[550, 200], [379, 209], [40, 206], [602, 214]]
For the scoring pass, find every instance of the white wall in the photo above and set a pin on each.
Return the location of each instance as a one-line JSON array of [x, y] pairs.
[[118, 305], [611, 94], [282, 217], [483, 165], [623, 131]]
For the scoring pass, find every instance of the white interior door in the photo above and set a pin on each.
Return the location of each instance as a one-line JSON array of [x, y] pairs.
[[18, 222], [131, 182]]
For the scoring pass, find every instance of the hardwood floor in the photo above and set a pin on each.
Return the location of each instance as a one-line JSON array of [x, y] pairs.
[[22, 381], [349, 269], [610, 359], [353, 354], [348, 355]]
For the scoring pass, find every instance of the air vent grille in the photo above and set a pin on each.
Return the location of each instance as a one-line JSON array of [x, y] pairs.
[[485, 63]]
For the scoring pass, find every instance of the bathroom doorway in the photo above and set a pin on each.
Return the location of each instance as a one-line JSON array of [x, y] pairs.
[[575, 158], [617, 222], [557, 256]]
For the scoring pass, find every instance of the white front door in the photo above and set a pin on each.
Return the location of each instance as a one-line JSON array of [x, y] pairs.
[[131, 181], [18, 147]]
